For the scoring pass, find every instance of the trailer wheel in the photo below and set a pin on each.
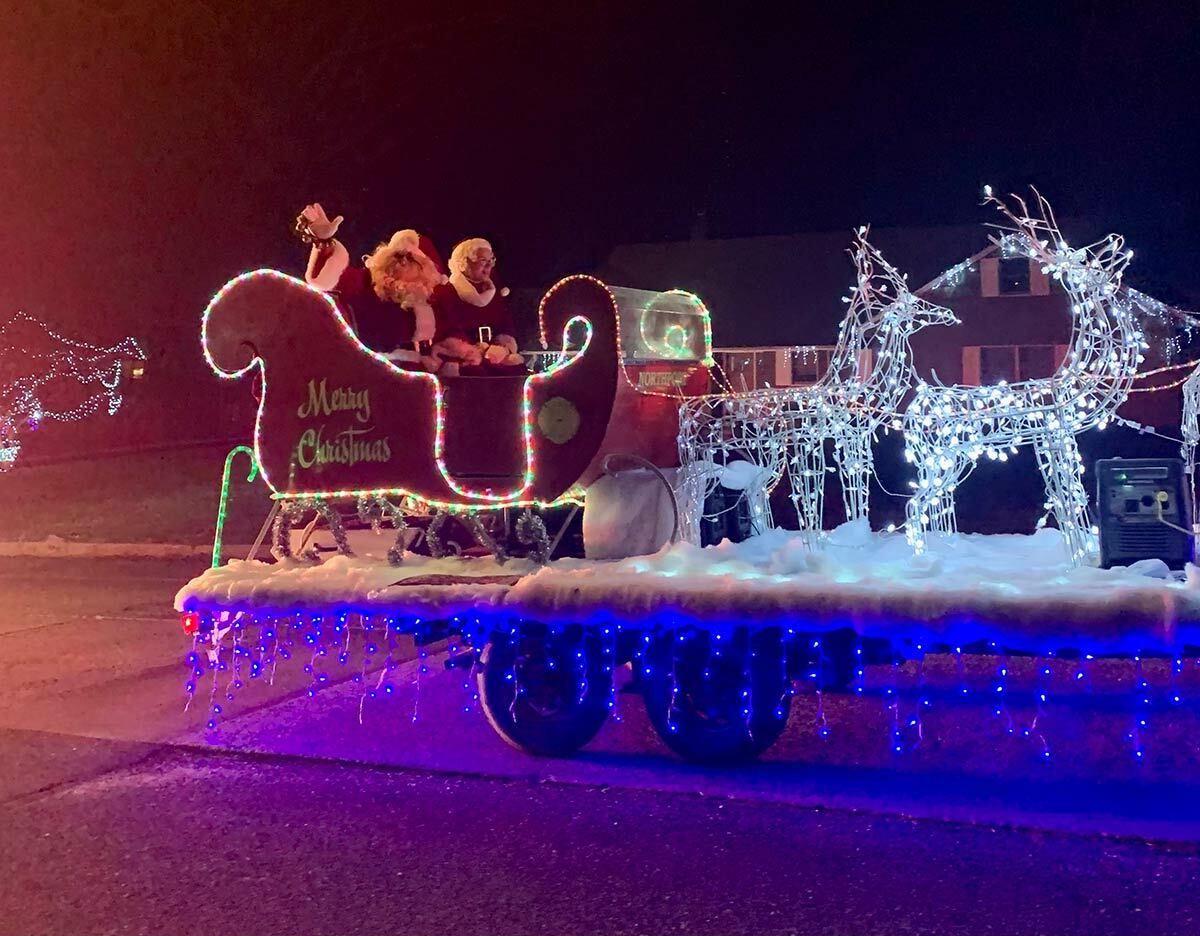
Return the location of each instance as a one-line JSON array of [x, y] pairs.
[[717, 700], [545, 692]]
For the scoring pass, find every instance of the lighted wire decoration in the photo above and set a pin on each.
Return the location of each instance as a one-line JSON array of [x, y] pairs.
[[949, 428], [862, 391], [37, 365], [1190, 429], [784, 429], [718, 431]]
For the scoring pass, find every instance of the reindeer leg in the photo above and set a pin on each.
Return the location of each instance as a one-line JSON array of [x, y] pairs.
[[806, 471], [854, 468], [770, 454], [1061, 466], [920, 507]]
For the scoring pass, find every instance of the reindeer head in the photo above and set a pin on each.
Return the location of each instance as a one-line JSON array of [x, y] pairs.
[[883, 303]]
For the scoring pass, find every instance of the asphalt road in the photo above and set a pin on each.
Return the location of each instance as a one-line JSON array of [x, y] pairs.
[[118, 815]]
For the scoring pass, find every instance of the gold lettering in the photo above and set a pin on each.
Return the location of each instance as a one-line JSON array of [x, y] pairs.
[[322, 402], [308, 442], [317, 403]]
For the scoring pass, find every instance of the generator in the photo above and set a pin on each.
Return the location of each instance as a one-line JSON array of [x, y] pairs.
[[1143, 507]]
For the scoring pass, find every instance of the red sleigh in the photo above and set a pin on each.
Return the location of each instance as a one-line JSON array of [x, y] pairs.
[[337, 421]]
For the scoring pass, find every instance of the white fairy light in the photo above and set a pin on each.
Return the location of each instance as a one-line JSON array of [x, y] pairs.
[[50, 360], [1190, 429], [852, 406], [949, 428], [784, 429]]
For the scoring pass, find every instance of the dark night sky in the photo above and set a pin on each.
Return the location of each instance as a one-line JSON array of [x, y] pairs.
[[148, 151]]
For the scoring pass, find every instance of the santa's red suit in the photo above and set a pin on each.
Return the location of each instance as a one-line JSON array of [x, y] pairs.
[[385, 326], [462, 309]]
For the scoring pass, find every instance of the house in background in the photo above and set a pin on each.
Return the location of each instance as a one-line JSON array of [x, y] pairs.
[[776, 305]]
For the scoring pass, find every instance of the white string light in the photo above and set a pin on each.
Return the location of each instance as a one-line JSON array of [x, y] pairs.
[[949, 428], [783, 429], [1189, 426], [31, 370]]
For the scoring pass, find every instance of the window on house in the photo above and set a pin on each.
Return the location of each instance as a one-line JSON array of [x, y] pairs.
[[738, 367], [1035, 361], [997, 364], [809, 364], [1014, 276], [764, 369], [987, 365]]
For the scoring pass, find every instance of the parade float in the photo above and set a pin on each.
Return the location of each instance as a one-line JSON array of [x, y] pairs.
[[718, 640]]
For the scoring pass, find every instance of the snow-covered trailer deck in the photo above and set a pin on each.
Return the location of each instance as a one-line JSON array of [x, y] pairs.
[[709, 633]]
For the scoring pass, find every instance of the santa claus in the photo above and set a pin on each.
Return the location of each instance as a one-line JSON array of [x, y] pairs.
[[470, 307], [387, 299]]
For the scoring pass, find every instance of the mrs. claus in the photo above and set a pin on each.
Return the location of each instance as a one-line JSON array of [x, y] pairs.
[[470, 306]]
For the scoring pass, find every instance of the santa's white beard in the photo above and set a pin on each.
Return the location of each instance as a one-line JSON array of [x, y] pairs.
[[403, 292]]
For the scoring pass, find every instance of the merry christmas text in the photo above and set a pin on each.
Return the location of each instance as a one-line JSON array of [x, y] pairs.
[[340, 400]]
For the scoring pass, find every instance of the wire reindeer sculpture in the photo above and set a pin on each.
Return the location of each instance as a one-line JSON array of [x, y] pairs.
[[949, 428], [1190, 429], [783, 430], [860, 397], [45, 377]]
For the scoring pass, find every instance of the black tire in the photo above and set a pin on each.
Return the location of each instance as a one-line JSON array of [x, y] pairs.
[[529, 685], [694, 694]]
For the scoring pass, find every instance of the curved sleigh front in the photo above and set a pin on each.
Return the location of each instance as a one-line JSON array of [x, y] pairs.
[[336, 419]]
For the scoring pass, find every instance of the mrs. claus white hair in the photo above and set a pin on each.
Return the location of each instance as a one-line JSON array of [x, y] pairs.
[[467, 250]]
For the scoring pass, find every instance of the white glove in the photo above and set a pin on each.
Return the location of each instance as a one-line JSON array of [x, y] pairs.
[[318, 223]]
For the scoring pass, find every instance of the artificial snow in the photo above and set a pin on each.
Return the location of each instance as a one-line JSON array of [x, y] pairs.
[[432, 585], [1017, 590]]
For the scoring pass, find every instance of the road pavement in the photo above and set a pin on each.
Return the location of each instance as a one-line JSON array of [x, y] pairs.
[[119, 813]]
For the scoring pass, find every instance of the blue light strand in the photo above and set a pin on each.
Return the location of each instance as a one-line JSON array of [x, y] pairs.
[[422, 671], [788, 690], [892, 702], [822, 722], [581, 664], [230, 647], [511, 676], [958, 668], [1034, 731], [673, 704], [1000, 693], [917, 721], [747, 691], [1141, 710]]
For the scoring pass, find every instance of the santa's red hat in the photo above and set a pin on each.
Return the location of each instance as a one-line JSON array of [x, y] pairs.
[[430, 250]]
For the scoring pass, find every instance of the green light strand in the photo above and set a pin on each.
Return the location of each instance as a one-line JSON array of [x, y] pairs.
[[224, 504]]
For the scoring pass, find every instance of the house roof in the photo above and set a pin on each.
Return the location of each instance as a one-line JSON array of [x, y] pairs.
[[782, 290]]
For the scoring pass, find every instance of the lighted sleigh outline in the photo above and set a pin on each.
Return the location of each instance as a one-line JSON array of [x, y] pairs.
[[454, 497]]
